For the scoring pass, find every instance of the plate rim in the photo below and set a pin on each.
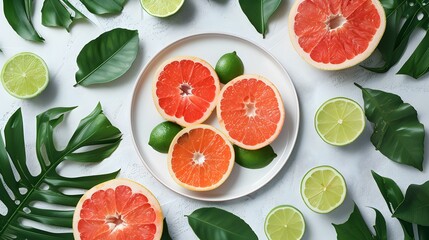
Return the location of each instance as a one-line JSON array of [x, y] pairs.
[[207, 34]]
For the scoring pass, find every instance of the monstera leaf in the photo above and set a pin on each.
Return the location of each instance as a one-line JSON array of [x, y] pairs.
[[94, 140]]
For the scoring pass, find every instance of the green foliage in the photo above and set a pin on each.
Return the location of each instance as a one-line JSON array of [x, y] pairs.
[[218, 224], [354, 228], [107, 57], [93, 131], [259, 12], [398, 134], [59, 13], [165, 234], [104, 6], [18, 13], [415, 207]]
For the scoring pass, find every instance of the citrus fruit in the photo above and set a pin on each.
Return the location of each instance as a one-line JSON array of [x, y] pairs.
[[284, 223], [251, 111], [323, 189], [162, 8], [25, 75], [185, 90], [339, 121], [333, 35], [162, 135], [200, 158], [118, 209], [228, 67], [254, 159]]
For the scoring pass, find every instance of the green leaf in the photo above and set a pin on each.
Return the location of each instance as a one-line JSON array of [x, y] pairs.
[[423, 232], [104, 6], [107, 57], [59, 13], [380, 226], [354, 228], [398, 134], [217, 224], [18, 13], [393, 196], [165, 234], [404, 17], [259, 12], [94, 131], [415, 207]]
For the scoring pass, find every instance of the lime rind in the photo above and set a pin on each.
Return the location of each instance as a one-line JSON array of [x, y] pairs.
[[41, 69], [291, 217], [163, 8], [352, 121], [342, 185]]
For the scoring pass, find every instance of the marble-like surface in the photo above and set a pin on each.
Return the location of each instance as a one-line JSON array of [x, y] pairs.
[[198, 16]]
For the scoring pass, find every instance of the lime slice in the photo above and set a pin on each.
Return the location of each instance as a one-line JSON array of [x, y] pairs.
[[339, 121], [284, 223], [323, 189], [162, 8], [25, 75]]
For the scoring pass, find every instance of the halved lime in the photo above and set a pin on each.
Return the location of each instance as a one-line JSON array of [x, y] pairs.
[[162, 8], [284, 223], [339, 121], [25, 75], [323, 189]]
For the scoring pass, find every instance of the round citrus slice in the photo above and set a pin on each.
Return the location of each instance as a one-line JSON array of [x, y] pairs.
[[251, 111], [200, 158], [339, 121], [284, 223], [323, 189], [185, 90], [333, 35], [162, 8], [118, 209], [25, 75]]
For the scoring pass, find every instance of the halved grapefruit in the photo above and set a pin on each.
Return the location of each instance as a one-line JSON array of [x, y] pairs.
[[200, 158], [118, 209], [336, 34], [185, 90], [251, 111]]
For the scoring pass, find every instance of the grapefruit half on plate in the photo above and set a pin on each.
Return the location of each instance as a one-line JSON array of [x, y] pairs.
[[251, 111], [118, 209], [185, 90], [336, 34], [200, 158]]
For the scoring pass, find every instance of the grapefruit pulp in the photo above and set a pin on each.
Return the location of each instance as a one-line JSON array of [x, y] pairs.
[[200, 158], [251, 111], [336, 34], [185, 90], [118, 209]]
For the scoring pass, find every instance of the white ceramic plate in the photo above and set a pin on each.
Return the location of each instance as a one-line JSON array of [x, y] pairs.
[[210, 47]]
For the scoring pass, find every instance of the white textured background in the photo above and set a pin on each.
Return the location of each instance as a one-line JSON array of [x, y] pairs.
[[197, 16]]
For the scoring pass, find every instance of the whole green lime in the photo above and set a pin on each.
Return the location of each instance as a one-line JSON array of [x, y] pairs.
[[228, 67], [254, 159], [162, 136]]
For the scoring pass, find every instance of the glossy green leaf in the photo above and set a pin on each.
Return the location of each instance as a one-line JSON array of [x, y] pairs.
[[107, 57], [18, 13], [398, 134], [165, 234], [259, 12], [217, 224], [393, 196], [94, 131], [415, 207], [104, 6], [354, 228], [404, 17], [59, 13], [380, 226]]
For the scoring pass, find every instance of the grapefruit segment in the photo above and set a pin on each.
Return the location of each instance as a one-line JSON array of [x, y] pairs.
[[200, 158], [336, 34], [118, 209], [185, 90], [250, 111]]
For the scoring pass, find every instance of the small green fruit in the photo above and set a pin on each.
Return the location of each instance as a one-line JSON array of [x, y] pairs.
[[228, 67], [254, 158], [162, 136]]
